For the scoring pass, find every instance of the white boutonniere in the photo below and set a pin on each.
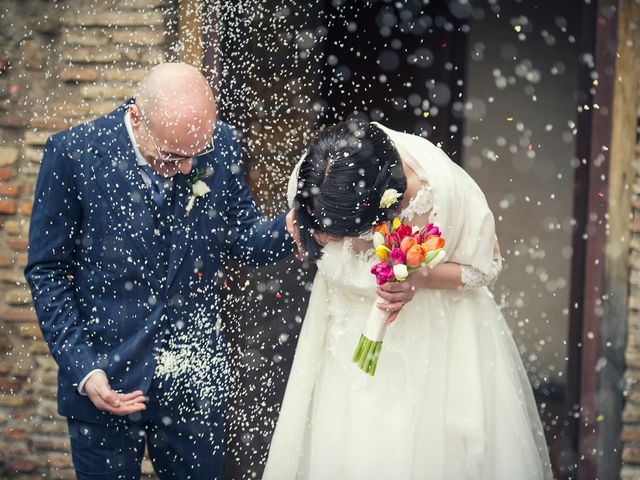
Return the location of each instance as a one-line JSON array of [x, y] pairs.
[[389, 197], [198, 189]]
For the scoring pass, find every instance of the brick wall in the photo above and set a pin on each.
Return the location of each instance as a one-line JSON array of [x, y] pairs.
[[61, 62], [631, 414]]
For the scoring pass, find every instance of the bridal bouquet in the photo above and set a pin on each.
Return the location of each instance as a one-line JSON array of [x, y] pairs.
[[402, 249]]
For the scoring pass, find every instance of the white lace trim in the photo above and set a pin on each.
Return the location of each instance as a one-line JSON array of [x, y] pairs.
[[421, 204], [473, 278]]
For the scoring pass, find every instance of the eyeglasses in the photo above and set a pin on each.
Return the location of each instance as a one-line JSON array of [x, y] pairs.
[[173, 157]]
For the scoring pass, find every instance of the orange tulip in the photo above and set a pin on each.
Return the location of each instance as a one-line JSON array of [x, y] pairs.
[[407, 243], [433, 242], [415, 256], [383, 228]]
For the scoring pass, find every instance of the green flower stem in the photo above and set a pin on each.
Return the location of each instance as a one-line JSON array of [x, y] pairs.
[[365, 353], [376, 355], [369, 356], [358, 351]]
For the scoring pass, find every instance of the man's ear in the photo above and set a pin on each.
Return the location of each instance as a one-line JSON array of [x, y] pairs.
[[135, 114]]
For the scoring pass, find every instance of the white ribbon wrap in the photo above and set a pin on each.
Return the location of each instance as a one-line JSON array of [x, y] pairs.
[[376, 325]]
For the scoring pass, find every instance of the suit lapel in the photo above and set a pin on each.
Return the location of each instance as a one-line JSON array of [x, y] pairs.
[[117, 176]]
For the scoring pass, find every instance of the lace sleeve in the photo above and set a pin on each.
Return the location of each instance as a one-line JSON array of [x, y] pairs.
[[473, 278]]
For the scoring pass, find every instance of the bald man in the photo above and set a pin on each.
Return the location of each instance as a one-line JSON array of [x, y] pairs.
[[133, 214]]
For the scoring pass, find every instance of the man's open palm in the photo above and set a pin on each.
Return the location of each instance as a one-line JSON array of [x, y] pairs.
[[105, 398]]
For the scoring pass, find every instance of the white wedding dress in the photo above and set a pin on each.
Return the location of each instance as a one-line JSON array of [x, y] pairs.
[[450, 398]]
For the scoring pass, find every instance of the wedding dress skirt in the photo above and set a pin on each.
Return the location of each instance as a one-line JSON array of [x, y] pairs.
[[450, 398]]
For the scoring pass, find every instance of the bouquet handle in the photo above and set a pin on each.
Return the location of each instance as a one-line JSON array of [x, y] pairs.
[[370, 344]]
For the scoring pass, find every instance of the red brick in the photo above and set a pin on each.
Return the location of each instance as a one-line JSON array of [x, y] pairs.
[[630, 434], [79, 75], [59, 460], [26, 208], [50, 379], [6, 173], [51, 444], [10, 385], [22, 260], [38, 348], [14, 401], [28, 187], [30, 330], [12, 121], [6, 345], [11, 433], [9, 190], [8, 207], [12, 276], [22, 414], [70, 109], [142, 36], [8, 156], [51, 123], [23, 368], [23, 465], [6, 260], [15, 227], [70, 474], [114, 18], [5, 367], [50, 427], [18, 244], [43, 389], [14, 448], [18, 314], [17, 296]]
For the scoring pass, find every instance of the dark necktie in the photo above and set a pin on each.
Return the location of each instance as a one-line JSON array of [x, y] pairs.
[[158, 187]]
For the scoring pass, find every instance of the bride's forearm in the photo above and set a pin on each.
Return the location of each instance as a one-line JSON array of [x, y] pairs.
[[446, 276]]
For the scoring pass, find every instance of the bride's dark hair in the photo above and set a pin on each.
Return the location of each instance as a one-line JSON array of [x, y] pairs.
[[341, 181]]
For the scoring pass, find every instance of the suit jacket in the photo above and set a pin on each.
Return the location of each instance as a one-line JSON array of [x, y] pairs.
[[105, 294]]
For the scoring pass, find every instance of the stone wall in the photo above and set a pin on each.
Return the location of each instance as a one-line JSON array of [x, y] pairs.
[[61, 62]]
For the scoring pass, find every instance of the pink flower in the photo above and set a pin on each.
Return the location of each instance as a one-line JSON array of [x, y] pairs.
[[427, 231], [397, 256], [383, 272]]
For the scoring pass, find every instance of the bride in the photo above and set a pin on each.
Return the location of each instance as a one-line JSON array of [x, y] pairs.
[[450, 397]]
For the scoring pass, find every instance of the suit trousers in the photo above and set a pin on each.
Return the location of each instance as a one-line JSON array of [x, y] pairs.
[[184, 437]]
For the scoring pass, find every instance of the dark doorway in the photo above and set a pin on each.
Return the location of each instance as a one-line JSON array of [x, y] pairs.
[[398, 63]]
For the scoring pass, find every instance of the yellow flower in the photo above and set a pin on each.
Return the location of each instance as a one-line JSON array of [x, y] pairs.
[[396, 223], [383, 253]]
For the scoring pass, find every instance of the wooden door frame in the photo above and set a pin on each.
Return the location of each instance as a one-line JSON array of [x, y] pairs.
[[602, 206]]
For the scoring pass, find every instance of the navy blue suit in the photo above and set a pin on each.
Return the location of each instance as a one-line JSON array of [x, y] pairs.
[[108, 291]]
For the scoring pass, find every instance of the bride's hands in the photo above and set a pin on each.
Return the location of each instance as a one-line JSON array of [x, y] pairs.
[[396, 295]]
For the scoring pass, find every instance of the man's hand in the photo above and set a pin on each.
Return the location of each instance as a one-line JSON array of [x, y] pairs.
[[105, 398], [396, 294], [293, 231]]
